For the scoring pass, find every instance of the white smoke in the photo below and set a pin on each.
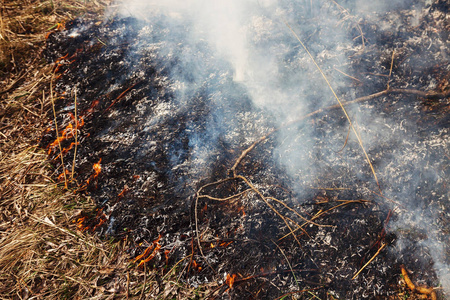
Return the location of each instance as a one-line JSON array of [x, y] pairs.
[[265, 58]]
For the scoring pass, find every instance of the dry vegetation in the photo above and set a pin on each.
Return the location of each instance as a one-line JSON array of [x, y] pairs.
[[42, 255]]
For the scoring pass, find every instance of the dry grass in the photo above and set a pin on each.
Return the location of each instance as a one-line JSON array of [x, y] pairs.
[[41, 254]]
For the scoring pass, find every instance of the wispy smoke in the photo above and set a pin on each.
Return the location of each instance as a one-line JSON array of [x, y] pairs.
[[249, 43]]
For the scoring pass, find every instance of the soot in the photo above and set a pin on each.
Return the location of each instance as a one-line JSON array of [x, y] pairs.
[[163, 175]]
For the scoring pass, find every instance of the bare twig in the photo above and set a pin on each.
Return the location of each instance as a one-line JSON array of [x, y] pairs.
[[338, 100], [370, 260], [76, 138], [57, 133]]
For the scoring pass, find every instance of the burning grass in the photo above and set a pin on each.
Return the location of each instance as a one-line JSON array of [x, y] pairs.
[[42, 254], [47, 248]]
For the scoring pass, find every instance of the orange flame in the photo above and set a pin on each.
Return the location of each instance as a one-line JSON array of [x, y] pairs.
[[101, 217], [230, 280], [61, 176], [155, 247], [166, 254], [97, 168], [62, 58], [196, 265], [80, 224], [66, 133], [122, 193], [66, 150], [61, 25]]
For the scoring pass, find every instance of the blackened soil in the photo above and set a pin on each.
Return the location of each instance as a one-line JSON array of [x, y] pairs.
[[157, 146]]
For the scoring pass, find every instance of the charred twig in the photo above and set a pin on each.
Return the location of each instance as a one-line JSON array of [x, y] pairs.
[[121, 95], [427, 95], [297, 292], [345, 74], [346, 140], [295, 212], [259, 193], [287, 260], [390, 69], [348, 15]]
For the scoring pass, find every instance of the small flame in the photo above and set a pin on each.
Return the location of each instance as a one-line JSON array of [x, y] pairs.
[[166, 254], [62, 175], [101, 217], [155, 247], [196, 265], [66, 150], [225, 244], [66, 133], [97, 168], [230, 280], [80, 224]]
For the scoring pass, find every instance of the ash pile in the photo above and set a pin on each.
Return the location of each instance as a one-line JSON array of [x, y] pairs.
[[208, 137]]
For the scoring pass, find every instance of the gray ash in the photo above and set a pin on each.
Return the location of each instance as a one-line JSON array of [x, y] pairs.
[[165, 114]]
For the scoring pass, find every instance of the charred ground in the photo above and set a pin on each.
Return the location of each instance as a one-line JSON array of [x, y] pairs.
[[165, 179]]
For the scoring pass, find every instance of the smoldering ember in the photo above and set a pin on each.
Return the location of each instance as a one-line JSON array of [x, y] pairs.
[[209, 136]]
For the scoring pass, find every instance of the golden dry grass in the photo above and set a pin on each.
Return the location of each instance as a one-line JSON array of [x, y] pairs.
[[42, 255]]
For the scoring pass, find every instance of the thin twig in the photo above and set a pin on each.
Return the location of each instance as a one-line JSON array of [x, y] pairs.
[[427, 95], [339, 101], [287, 260], [320, 213], [370, 260], [57, 134], [145, 281], [390, 70], [76, 138]]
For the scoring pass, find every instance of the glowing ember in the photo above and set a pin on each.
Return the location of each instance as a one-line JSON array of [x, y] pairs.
[[100, 218], [61, 176], [97, 168], [196, 265], [166, 254], [230, 280], [122, 193], [225, 244], [241, 209]]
